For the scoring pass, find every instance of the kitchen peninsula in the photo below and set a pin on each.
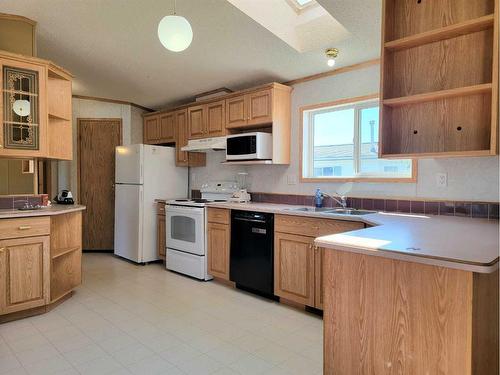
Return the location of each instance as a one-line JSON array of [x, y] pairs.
[[412, 294], [40, 259]]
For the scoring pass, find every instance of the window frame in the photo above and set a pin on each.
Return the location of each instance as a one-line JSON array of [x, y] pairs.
[[317, 108]]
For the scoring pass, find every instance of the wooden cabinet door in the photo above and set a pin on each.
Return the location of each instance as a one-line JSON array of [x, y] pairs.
[[319, 255], [216, 119], [24, 273], [151, 130], [181, 157], [236, 112], [167, 127], [161, 234], [196, 122], [218, 250], [294, 268], [260, 107]]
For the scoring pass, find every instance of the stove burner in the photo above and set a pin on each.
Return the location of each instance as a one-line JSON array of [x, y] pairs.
[[200, 200]]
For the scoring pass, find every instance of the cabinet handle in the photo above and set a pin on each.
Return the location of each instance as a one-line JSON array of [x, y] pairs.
[[2, 249], [25, 227]]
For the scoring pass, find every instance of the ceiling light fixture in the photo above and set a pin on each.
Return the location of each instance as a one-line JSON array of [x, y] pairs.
[[175, 32], [331, 55]]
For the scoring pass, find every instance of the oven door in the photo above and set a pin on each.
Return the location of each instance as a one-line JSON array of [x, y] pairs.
[[185, 227]]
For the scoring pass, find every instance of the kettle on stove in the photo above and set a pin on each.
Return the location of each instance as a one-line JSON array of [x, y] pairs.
[[64, 197]]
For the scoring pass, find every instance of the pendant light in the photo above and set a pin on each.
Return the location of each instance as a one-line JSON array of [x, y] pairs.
[[175, 32]]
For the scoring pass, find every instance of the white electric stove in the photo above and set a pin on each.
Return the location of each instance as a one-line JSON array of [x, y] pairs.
[[186, 221]]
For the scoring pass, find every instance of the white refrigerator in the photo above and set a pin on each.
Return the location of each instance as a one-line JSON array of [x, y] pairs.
[[143, 173]]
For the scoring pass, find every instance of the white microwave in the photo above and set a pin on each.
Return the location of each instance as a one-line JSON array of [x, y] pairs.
[[249, 146]]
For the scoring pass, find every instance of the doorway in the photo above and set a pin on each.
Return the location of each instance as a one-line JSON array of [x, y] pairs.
[[97, 139]]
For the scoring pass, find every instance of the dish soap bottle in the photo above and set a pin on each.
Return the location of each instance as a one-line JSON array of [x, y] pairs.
[[318, 198]]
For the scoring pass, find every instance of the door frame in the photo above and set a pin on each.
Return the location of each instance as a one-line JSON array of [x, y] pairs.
[[78, 151]]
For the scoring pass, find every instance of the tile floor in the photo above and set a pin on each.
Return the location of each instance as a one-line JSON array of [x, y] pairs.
[[128, 319]]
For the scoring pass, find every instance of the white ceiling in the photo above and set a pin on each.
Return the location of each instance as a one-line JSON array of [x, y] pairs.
[[112, 48]]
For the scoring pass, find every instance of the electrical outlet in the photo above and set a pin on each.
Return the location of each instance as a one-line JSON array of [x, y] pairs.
[[441, 180], [291, 179]]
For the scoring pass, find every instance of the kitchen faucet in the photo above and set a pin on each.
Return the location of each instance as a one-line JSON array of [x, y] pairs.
[[342, 199]]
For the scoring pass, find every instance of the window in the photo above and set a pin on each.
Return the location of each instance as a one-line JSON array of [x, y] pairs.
[[341, 142], [299, 5]]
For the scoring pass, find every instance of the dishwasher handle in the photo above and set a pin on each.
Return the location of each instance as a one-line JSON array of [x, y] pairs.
[[249, 220]]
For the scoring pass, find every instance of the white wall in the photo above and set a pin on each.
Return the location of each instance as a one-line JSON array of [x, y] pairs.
[[468, 178], [83, 108]]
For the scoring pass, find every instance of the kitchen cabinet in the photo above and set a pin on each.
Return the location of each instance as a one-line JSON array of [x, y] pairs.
[[236, 112], [161, 240], [218, 234], [216, 119], [184, 158], [151, 129], [218, 250], [298, 264], [167, 127], [250, 109], [294, 276], [36, 112], [24, 273], [40, 262], [197, 120], [456, 114], [207, 120]]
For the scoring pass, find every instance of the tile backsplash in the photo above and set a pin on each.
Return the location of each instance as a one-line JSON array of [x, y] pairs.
[[17, 201], [485, 210]]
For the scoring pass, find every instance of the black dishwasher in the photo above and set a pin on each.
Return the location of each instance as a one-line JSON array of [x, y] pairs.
[[252, 252]]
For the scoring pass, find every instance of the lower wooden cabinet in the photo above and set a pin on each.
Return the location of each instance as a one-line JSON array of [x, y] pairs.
[[218, 250], [24, 273], [319, 260], [161, 235], [294, 277]]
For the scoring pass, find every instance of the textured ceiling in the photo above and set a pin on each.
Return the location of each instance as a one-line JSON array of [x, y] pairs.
[[111, 46]]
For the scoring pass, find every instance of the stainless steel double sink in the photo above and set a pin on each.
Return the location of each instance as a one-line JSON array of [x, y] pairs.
[[329, 211]]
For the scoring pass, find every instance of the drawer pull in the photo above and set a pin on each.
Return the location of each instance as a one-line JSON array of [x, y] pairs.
[[24, 227], [2, 249]]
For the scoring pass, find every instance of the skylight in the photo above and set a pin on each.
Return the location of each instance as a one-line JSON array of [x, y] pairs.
[[301, 4]]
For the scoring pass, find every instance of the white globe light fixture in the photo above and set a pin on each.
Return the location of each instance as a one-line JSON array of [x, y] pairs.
[[175, 32]]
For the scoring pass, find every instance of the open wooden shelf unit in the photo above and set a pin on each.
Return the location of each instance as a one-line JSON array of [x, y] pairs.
[[439, 78]]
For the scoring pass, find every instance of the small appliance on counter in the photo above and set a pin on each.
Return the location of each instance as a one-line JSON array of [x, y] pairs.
[[240, 196], [64, 197]]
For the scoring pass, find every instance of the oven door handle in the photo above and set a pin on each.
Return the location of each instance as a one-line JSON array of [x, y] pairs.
[[249, 220]]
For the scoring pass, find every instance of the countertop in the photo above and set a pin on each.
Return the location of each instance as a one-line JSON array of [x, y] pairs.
[[55, 209], [448, 241]]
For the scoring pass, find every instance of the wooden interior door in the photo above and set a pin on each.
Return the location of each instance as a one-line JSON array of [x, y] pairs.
[[97, 139], [216, 119], [260, 107]]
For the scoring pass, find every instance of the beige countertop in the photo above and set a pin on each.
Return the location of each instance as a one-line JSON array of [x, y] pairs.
[[55, 209], [448, 241]]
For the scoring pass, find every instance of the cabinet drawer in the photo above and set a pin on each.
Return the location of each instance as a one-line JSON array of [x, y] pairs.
[[218, 215], [313, 227], [24, 227]]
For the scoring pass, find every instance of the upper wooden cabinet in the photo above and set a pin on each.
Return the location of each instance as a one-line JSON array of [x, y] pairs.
[[36, 110], [207, 120], [258, 108], [183, 158], [439, 78], [167, 127], [151, 130]]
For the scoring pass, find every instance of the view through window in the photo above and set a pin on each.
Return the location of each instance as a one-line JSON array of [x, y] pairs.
[[342, 142]]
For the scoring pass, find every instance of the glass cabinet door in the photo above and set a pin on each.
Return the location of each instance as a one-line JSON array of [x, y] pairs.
[[21, 115]]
